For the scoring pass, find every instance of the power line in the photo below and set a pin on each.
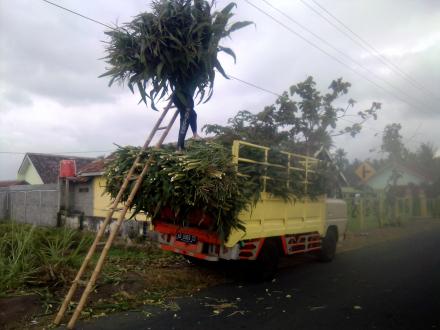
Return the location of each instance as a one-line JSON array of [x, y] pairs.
[[413, 81], [370, 46], [255, 86], [78, 14], [343, 119], [236, 78], [279, 95], [331, 56], [279, 22], [414, 134], [366, 46], [341, 52], [411, 139]]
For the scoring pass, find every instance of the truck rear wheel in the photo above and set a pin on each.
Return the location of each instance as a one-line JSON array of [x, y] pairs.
[[328, 246], [266, 265]]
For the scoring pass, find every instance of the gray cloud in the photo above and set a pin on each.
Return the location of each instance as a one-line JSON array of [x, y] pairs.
[[46, 53]]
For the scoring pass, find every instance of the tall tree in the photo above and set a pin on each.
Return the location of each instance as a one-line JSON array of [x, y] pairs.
[[426, 155], [341, 160], [392, 142], [302, 119]]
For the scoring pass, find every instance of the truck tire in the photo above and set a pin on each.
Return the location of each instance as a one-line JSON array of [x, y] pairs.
[[266, 265], [328, 246]]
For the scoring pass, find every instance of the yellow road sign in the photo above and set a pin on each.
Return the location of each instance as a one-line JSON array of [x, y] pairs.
[[365, 171]]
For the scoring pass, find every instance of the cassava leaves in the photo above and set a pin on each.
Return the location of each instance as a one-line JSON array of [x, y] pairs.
[[203, 183], [202, 180], [172, 48]]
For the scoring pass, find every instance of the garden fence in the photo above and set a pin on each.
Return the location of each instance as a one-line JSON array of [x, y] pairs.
[[376, 210]]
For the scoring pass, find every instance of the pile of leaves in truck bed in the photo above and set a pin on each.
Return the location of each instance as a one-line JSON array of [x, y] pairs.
[[202, 179], [203, 182]]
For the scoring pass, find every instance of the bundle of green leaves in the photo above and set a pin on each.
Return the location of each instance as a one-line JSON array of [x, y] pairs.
[[203, 179], [204, 182], [173, 48]]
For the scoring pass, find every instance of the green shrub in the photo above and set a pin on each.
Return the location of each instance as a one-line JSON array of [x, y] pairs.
[[18, 263], [37, 256]]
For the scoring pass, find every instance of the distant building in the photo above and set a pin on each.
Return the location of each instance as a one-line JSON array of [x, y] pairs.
[[93, 173], [44, 168], [406, 175]]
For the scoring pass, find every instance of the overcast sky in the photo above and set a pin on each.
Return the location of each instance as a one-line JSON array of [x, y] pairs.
[[52, 101]]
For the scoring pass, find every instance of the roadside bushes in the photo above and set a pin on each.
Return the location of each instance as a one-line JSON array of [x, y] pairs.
[[38, 256]]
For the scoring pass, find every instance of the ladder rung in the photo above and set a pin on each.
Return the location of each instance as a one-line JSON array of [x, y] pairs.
[[162, 127]]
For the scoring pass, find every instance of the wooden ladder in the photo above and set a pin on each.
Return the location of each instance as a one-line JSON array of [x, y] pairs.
[[91, 283]]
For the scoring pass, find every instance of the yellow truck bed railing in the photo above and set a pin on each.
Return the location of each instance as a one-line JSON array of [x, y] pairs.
[[302, 164], [272, 216]]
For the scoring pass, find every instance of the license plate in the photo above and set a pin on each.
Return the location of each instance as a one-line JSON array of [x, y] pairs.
[[186, 238]]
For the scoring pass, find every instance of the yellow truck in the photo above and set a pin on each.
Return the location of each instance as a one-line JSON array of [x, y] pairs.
[[272, 227]]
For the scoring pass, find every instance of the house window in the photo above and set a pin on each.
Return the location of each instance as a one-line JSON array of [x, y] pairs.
[[84, 189]]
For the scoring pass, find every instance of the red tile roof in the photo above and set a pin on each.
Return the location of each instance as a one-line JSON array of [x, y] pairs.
[[97, 166], [48, 166]]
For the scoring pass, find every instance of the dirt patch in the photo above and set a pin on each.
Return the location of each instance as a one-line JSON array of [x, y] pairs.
[[154, 284], [129, 285], [176, 280], [16, 310]]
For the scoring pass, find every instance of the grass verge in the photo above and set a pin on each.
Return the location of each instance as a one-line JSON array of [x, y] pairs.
[[37, 266]]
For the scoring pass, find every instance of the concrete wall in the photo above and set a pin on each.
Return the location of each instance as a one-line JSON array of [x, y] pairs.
[[3, 204], [83, 198], [79, 197], [130, 229], [39, 205], [34, 204]]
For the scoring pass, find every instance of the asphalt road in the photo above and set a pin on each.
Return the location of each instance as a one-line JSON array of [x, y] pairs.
[[392, 285]]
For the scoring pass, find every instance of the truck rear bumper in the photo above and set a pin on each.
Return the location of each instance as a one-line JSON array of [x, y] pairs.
[[200, 243], [202, 235]]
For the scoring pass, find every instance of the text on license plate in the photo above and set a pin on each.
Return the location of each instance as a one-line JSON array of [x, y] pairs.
[[186, 238]]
